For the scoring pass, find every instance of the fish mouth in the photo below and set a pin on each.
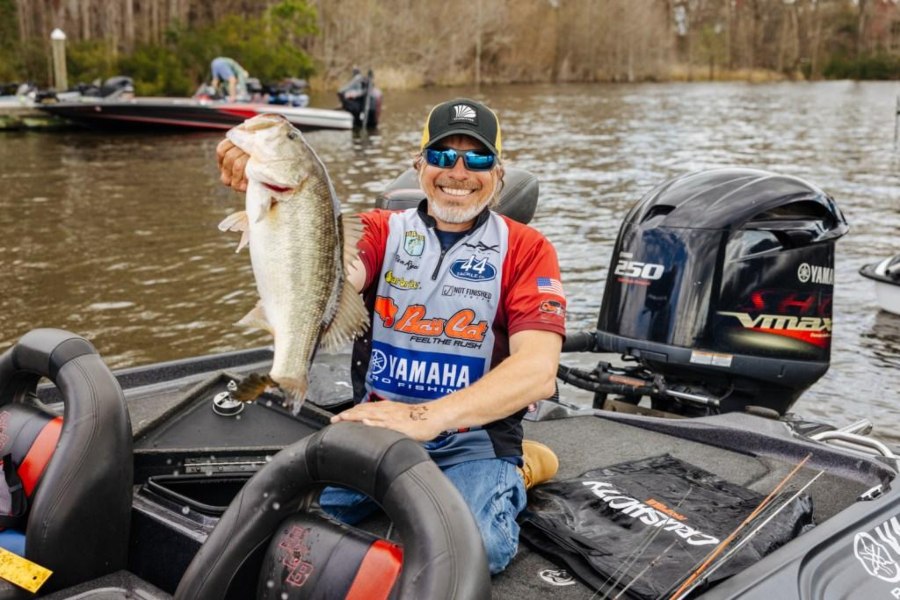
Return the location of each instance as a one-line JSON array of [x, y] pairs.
[[278, 189], [263, 121]]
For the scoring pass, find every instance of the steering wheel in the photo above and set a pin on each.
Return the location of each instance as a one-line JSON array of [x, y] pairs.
[[443, 555]]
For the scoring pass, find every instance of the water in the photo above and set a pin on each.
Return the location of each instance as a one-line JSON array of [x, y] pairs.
[[114, 236]]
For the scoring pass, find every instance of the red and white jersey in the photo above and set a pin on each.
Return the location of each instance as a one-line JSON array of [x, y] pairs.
[[442, 318]]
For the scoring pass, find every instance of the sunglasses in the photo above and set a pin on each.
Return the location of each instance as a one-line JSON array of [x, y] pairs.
[[446, 159]]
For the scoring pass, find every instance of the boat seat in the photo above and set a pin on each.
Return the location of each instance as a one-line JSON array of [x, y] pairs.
[[28, 437], [518, 197], [80, 509]]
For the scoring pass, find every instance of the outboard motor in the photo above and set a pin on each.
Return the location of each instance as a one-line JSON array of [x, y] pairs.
[[721, 290], [254, 87], [119, 86]]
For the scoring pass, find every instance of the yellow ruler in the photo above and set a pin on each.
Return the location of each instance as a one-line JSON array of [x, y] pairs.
[[22, 571]]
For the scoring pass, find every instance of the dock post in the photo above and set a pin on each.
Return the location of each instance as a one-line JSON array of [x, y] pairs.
[[58, 46]]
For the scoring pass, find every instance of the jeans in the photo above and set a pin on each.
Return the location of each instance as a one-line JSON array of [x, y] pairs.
[[492, 488]]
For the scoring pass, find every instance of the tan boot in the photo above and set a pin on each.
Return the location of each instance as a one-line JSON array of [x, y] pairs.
[[541, 463]]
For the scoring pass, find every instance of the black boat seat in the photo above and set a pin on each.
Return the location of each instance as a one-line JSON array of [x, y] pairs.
[[28, 436], [80, 510], [443, 555], [518, 197]]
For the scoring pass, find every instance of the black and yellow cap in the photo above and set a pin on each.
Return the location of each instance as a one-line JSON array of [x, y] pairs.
[[462, 116]]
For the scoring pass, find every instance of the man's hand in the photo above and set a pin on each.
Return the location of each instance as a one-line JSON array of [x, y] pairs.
[[417, 421], [232, 163]]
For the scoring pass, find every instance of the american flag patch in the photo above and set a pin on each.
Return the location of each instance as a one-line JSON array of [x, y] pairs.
[[548, 285]]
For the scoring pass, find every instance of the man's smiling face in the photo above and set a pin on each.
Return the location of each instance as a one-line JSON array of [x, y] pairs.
[[457, 195]]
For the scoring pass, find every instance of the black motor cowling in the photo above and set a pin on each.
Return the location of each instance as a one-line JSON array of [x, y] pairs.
[[723, 280]]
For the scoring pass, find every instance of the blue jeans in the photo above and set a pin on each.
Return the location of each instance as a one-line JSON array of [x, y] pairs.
[[491, 488]]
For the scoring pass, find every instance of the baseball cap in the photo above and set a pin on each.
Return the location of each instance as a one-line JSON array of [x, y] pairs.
[[462, 116]]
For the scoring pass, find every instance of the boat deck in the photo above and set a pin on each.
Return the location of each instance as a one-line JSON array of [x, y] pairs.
[[749, 451], [586, 443]]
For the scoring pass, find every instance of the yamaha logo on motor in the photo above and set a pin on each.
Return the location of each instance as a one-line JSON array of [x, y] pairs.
[[808, 273]]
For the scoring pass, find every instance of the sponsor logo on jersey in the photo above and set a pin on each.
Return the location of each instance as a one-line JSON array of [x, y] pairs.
[[456, 290], [406, 262], [461, 325], [482, 247], [648, 514], [419, 374], [808, 273], [401, 283], [552, 307], [473, 268], [413, 243], [386, 308]]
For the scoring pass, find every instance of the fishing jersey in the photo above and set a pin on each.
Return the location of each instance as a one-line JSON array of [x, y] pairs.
[[441, 319]]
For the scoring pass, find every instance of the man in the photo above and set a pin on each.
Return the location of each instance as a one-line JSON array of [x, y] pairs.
[[468, 322], [225, 69]]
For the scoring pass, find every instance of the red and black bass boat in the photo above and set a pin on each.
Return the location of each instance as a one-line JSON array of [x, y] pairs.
[[157, 484], [189, 113], [114, 106]]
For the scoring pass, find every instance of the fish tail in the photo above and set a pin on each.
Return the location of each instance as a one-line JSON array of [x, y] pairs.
[[252, 387]]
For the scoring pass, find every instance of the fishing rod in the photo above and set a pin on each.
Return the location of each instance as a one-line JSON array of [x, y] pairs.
[[649, 566], [753, 533], [696, 565], [683, 588]]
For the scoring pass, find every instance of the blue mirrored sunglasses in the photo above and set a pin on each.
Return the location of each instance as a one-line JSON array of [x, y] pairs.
[[474, 161]]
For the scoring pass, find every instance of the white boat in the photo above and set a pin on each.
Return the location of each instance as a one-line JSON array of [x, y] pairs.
[[886, 275]]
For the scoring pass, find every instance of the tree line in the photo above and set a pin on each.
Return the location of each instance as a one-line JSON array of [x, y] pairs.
[[166, 45]]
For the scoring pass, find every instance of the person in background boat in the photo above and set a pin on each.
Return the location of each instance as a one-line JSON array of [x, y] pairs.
[[468, 322], [358, 96], [227, 70]]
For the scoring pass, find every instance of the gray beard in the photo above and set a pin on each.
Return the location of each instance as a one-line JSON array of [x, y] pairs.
[[456, 215]]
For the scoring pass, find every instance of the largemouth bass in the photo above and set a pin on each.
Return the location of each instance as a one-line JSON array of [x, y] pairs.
[[300, 245]]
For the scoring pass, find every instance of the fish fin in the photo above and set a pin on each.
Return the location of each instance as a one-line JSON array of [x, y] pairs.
[[258, 200], [353, 231], [294, 389], [236, 221], [350, 320], [245, 239], [251, 387], [256, 319]]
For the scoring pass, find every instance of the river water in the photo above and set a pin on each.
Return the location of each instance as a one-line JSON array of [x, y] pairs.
[[114, 236]]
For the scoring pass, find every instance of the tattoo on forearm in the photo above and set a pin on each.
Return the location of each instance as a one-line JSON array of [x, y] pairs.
[[418, 413]]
